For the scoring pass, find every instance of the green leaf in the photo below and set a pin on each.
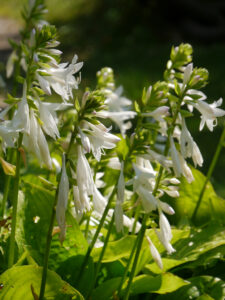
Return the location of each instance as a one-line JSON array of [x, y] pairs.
[[33, 219], [106, 289], [17, 283], [212, 206], [199, 288], [194, 247], [161, 284], [115, 250]]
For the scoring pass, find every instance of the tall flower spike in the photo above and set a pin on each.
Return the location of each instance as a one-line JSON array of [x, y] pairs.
[[61, 206]]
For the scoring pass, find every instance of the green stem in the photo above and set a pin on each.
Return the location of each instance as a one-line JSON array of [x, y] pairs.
[[5, 195], [139, 244], [50, 229], [87, 226], [15, 204], [101, 257], [48, 247], [128, 264], [91, 246], [209, 173]]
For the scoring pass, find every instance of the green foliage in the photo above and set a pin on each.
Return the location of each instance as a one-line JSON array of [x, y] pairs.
[[212, 206], [19, 282]]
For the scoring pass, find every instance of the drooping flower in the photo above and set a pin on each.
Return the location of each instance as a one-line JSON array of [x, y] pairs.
[[155, 254], [61, 206], [86, 186], [188, 146], [60, 78], [21, 118], [209, 113], [49, 118], [36, 142], [165, 234], [99, 138], [180, 166]]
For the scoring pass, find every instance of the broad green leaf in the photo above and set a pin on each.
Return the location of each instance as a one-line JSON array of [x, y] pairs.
[[212, 206], [205, 297], [161, 284], [106, 289], [167, 265], [17, 281], [202, 286], [115, 250], [195, 246], [33, 219]]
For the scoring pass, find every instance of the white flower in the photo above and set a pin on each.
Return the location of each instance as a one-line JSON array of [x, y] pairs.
[[21, 119], [86, 186], [154, 156], [209, 112], [155, 254], [165, 234], [148, 201], [8, 133], [119, 118], [36, 142], [61, 206], [114, 163], [127, 222], [158, 114], [49, 118], [188, 146], [10, 63], [187, 74], [166, 207], [60, 78], [117, 109], [99, 138], [179, 164]]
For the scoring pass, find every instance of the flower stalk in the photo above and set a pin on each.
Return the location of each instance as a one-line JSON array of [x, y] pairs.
[[15, 204]]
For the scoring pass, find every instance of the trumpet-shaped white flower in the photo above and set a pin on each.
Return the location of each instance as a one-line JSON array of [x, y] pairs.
[[99, 138], [8, 133], [154, 156], [49, 118], [210, 113], [21, 118], [188, 146], [61, 206], [117, 109], [119, 118], [148, 201], [165, 234], [60, 78], [86, 186], [155, 254], [187, 75], [158, 114], [36, 142], [179, 164]]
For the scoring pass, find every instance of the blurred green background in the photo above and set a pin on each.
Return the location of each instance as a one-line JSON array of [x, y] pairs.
[[134, 38]]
